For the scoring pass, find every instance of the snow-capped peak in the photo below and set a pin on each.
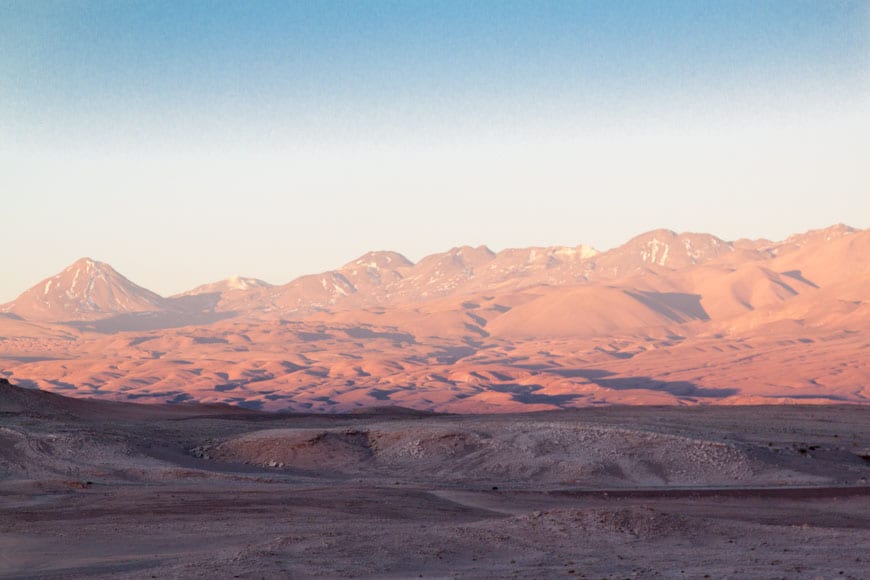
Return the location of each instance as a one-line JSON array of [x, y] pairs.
[[242, 283]]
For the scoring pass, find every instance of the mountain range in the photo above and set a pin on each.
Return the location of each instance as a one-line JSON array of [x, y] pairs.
[[470, 329]]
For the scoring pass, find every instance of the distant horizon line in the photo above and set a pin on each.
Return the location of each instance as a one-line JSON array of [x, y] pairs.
[[838, 225]]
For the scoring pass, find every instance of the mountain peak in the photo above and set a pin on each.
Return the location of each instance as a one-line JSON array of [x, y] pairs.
[[84, 290], [660, 248], [244, 283], [383, 259], [471, 255], [828, 233], [482, 249], [233, 283], [86, 263], [658, 232]]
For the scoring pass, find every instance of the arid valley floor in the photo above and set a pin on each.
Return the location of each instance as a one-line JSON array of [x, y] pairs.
[[96, 488]]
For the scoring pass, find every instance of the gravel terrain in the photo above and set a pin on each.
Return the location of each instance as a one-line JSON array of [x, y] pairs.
[[107, 489]]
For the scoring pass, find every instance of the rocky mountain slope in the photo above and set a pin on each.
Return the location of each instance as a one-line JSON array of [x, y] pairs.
[[666, 318], [85, 290]]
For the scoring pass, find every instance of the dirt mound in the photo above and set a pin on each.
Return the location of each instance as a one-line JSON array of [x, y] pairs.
[[324, 450], [15, 399], [69, 454], [553, 453]]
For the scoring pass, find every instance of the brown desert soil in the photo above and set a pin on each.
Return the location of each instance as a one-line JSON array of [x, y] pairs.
[[127, 491]]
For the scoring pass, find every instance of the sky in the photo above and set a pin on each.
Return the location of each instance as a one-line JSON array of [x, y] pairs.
[[184, 142]]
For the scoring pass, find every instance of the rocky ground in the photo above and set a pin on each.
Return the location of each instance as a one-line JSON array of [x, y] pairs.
[[107, 489]]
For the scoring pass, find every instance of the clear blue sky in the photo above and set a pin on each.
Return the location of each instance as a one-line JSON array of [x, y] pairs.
[[183, 142]]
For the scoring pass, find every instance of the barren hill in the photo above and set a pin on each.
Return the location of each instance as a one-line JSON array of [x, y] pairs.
[[664, 319]]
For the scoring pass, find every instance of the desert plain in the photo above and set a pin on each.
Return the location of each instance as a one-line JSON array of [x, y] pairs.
[[104, 489]]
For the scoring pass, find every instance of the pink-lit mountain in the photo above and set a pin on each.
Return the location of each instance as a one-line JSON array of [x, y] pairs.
[[664, 318]]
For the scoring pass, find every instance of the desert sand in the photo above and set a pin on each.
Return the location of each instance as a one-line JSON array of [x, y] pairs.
[[103, 489]]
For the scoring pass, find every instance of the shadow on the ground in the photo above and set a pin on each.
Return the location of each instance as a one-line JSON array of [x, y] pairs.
[[144, 321], [609, 380]]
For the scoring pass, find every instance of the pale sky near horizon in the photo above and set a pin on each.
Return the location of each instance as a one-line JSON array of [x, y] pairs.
[[187, 142]]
